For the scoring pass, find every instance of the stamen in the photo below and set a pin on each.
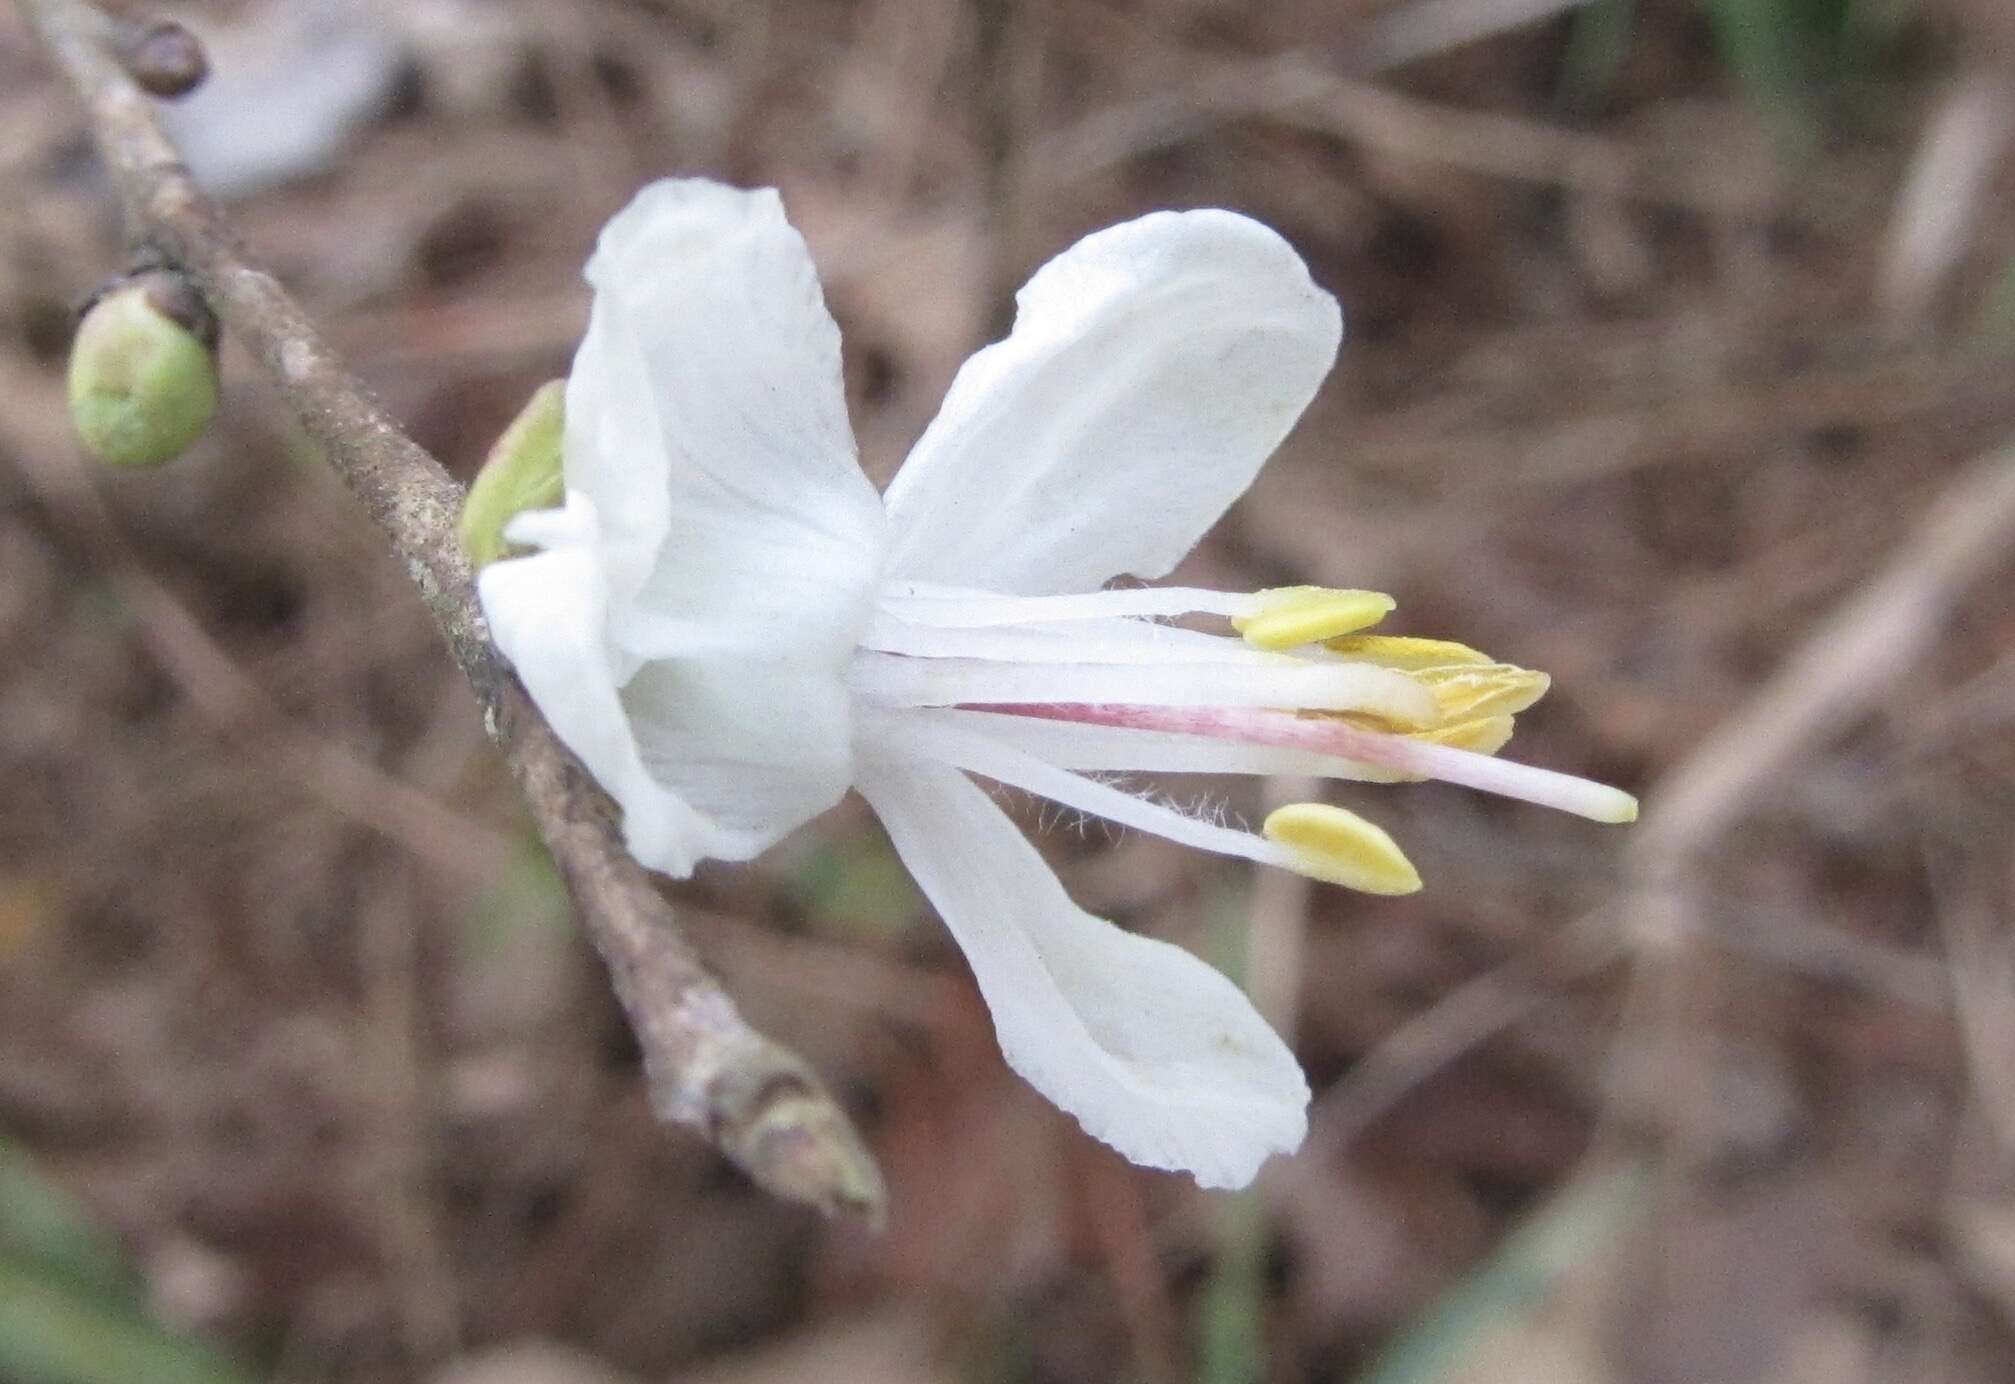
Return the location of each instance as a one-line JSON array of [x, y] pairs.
[[1287, 616], [958, 608], [1077, 641], [1340, 847], [1271, 680], [1313, 839], [1089, 748], [912, 733]]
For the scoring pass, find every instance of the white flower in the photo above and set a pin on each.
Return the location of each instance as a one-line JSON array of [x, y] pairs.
[[731, 628]]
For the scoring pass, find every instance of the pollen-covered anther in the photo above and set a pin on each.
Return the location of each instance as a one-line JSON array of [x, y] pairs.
[[1474, 706], [1483, 735], [1406, 652], [1286, 617], [1468, 693], [1339, 847]]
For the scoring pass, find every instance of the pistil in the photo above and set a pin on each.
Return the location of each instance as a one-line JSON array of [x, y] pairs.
[[1340, 736]]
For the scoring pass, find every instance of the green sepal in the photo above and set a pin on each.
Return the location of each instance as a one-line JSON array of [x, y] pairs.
[[522, 472]]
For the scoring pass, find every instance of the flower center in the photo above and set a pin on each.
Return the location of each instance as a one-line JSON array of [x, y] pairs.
[[1303, 689]]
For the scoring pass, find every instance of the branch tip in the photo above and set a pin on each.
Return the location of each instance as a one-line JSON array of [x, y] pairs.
[[796, 1144]]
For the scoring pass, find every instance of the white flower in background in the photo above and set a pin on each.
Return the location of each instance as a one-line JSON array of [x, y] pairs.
[[731, 628]]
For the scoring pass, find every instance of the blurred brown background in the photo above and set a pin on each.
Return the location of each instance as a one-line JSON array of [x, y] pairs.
[[1669, 324]]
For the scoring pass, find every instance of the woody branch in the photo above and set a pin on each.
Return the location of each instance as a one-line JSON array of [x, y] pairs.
[[759, 1102]]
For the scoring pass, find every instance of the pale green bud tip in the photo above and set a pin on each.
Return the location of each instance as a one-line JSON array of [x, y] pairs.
[[522, 472], [143, 371]]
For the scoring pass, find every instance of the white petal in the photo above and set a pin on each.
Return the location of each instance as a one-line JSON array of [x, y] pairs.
[[1152, 1050], [759, 747], [707, 421], [695, 640], [1152, 369], [546, 613]]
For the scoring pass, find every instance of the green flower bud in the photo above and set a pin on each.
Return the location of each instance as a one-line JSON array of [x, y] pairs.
[[522, 472], [143, 370]]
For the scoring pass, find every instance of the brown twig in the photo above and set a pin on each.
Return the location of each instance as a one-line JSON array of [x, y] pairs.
[[1939, 203], [1406, 33], [1298, 89], [1837, 674], [1841, 670], [759, 1102]]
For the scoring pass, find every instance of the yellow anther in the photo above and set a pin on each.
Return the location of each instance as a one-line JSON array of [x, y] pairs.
[[1339, 847], [1484, 735], [1371, 720], [1493, 689], [1293, 615], [1404, 651]]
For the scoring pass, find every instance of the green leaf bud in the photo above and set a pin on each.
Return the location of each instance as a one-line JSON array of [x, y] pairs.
[[143, 370], [522, 472]]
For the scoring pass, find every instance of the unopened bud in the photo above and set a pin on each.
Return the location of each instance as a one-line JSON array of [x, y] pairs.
[[522, 472], [164, 58], [143, 370]]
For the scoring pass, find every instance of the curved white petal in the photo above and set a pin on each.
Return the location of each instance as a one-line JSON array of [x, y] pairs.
[[1153, 1051], [690, 642], [707, 421], [759, 747], [547, 614], [1152, 369]]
